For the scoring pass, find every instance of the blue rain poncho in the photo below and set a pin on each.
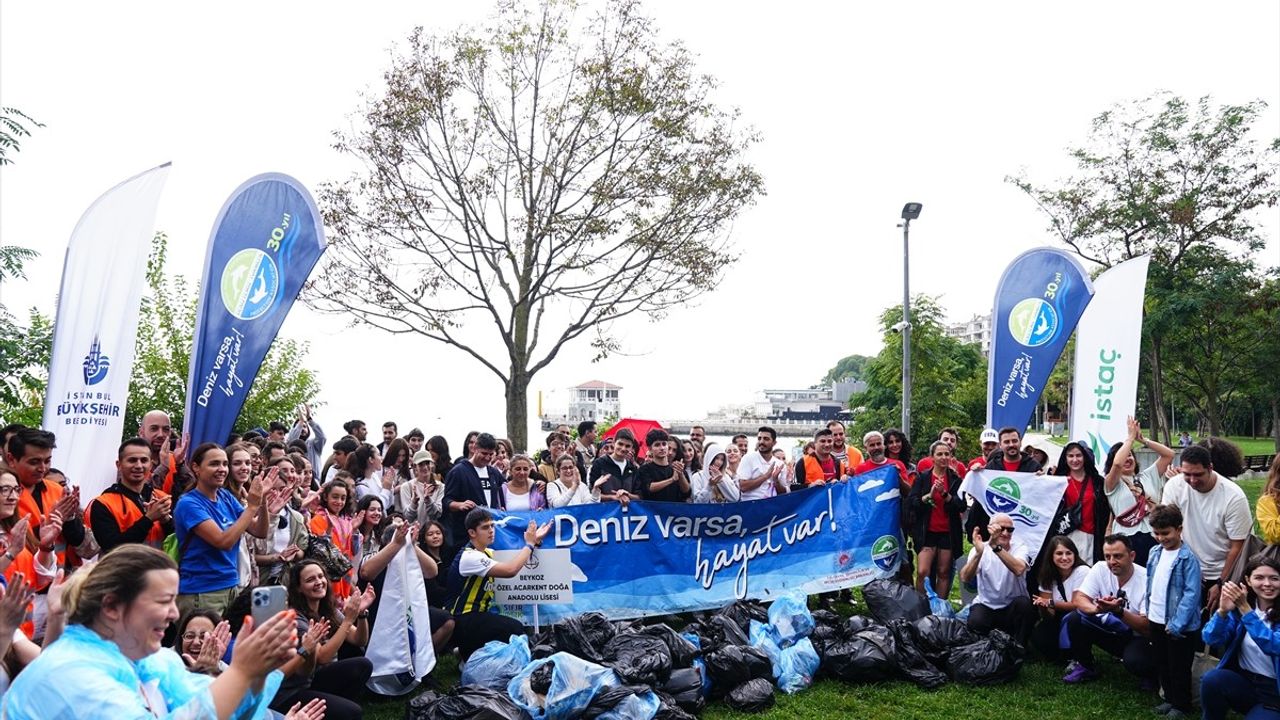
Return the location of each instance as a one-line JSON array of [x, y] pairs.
[[84, 676]]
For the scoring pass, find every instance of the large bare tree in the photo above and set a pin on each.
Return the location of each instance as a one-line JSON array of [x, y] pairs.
[[532, 182]]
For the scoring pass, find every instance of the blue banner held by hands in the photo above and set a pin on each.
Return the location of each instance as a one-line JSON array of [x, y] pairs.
[[657, 558], [1039, 300], [265, 241]]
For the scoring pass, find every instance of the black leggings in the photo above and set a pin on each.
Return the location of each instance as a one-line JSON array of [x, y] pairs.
[[340, 684]]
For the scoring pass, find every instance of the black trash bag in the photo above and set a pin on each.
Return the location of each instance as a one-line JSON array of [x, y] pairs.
[[936, 635], [758, 663], [685, 688], [997, 658], [465, 702], [743, 612], [669, 709], [542, 652], [622, 626], [822, 637], [584, 636], [890, 600], [727, 669], [751, 696], [638, 659], [826, 617], [608, 698], [727, 630], [682, 651], [912, 662], [854, 624], [540, 679], [860, 659]]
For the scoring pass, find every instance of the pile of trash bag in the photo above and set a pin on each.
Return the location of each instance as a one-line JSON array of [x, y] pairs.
[[590, 667]]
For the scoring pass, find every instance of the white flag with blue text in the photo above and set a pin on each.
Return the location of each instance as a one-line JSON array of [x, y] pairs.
[[97, 323], [1030, 499], [400, 640]]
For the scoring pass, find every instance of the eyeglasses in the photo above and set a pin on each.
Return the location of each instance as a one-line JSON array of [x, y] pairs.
[[10, 489], [195, 635]]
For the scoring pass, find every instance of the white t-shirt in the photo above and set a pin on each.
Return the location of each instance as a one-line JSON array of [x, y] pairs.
[[1101, 582], [1252, 658], [997, 585], [754, 465], [473, 563], [1159, 600], [1210, 520], [1070, 585], [1121, 500], [516, 501]]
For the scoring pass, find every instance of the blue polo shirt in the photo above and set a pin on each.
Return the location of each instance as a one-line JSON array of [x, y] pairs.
[[205, 568]]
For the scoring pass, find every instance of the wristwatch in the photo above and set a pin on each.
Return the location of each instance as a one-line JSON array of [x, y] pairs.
[[997, 549]]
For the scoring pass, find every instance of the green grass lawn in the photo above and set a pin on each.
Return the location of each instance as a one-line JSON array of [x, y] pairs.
[[1038, 693]]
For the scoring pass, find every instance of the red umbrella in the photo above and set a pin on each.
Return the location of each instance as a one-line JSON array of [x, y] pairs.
[[639, 428]]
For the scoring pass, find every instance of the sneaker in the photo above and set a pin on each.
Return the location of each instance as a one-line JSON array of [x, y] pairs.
[[1080, 674], [1162, 708], [1071, 666]]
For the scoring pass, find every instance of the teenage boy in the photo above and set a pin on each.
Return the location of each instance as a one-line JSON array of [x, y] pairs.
[[613, 476], [470, 583], [659, 478], [1111, 606], [1173, 609]]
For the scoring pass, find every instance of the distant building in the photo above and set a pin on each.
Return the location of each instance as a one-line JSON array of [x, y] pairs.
[[808, 404], [976, 331], [594, 400]]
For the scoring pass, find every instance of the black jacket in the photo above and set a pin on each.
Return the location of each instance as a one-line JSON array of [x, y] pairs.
[[921, 510]]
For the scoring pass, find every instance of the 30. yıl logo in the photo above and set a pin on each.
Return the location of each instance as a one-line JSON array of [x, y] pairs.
[[1033, 322], [250, 283], [884, 552], [1003, 495]]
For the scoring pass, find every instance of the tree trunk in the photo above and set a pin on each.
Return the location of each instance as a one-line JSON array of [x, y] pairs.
[[1275, 422], [1159, 423], [517, 393]]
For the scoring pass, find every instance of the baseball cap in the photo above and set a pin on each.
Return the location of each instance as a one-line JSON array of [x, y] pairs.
[[989, 435], [422, 456]]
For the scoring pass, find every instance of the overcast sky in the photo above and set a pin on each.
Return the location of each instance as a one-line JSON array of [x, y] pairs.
[[861, 107]]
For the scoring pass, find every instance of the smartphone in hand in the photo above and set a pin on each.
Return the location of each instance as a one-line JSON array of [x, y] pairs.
[[267, 601]]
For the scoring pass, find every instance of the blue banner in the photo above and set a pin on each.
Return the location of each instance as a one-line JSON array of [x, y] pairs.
[[265, 241], [1039, 300], [658, 558]]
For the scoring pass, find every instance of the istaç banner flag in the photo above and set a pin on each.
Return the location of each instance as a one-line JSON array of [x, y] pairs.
[[265, 241], [1108, 344], [1039, 300], [103, 277]]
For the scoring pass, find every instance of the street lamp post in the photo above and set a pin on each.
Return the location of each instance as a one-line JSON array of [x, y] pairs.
[[910, 212]]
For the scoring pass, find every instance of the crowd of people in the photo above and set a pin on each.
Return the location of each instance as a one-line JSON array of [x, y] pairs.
[[1146, 564]]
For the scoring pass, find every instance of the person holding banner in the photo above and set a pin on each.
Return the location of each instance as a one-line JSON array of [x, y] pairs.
[[1010, 459], [1000, 566], [936, 509], [471, 583], [1084, 513], [1131, 494]]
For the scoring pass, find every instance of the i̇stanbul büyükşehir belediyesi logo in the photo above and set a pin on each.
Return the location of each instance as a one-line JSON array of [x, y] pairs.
[[96, 364], [1033, 322], [884, 552], [250, 283]]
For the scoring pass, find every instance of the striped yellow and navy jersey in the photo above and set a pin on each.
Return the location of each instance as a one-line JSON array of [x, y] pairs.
[[470, 587]]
